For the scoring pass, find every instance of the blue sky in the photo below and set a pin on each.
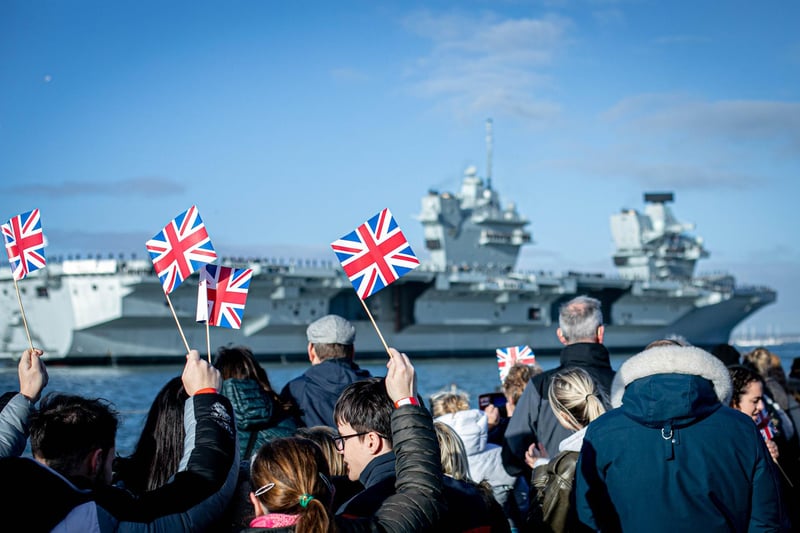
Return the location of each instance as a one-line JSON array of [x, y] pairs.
[[289, 123]]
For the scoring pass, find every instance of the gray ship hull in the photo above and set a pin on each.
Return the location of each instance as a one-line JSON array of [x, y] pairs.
[[121, 316]]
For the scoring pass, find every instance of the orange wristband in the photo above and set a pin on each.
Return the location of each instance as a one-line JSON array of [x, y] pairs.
[[207, 390], [406, 401]]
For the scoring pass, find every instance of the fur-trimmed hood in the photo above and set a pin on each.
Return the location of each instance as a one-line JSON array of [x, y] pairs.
[[687, 360]]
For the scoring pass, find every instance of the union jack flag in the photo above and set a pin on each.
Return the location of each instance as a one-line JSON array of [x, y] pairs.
[[180, 248], [765, 426], [24, 243], [508, 357], [224, 290], [375, 254]]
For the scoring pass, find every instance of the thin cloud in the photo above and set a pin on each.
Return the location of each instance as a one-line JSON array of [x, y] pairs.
[[487, 64], [668, 40], [724, 119], [133, 186]]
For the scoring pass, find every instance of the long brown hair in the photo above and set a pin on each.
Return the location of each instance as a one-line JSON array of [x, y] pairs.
[[238, 362], [298, 473]]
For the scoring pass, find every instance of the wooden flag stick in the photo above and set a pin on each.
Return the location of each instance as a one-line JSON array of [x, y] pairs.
[[208, 341], [177, 322], [22, 311], [376, 327]]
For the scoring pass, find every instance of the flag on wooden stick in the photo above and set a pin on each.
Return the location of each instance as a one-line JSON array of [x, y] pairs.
[[508, 357], [25, 243]]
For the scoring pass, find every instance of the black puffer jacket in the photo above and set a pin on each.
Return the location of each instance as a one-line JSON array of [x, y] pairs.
[[417, 503]]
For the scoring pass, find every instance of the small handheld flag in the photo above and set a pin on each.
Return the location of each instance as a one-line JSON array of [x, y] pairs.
[[180, 248], [508, 357], [375, 254], [224, 291], [25, 244], [765, 426]]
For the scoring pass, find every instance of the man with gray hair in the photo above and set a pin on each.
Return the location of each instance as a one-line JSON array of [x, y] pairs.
[[534, 428], [330, 350]]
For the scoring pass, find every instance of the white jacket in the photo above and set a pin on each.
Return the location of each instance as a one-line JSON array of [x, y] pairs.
[[484, 458]]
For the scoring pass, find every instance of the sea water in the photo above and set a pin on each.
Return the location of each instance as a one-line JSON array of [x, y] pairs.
[[132, 388]]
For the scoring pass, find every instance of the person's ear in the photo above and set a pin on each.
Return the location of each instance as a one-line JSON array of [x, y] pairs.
[[312, 353], [95, 462], [561, 337], [601, 331], [374, 442]]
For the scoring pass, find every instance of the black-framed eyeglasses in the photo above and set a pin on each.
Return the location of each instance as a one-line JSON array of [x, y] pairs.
[[338, 440]]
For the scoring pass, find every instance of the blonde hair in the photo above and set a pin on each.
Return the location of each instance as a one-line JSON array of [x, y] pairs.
[[293, 476], [574, 394], [452, 452], [448, 402], [323, 437]]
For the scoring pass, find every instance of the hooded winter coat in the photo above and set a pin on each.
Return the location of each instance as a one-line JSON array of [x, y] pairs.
[[672, 456]]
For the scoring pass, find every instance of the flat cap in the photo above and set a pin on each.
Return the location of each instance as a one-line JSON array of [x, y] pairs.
[[331, 329]]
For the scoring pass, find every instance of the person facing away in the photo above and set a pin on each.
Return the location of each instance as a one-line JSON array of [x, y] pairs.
[[331, 351], [291, 479], [672, 456], [518, 377], [73, 447], [576, 400], [471, 425], [159, 449], [363, 414], [260, 414], [534, 425], [16, 407], [455, 464]]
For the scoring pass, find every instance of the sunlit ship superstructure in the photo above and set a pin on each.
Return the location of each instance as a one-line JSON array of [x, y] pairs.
[[467, 299]]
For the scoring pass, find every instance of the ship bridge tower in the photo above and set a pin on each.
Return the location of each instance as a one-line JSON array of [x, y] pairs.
[[654, 245], [471, 229]]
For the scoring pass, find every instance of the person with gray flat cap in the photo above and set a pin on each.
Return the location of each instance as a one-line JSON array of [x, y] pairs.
[[331, 349]]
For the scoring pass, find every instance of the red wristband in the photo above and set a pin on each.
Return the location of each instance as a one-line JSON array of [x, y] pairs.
[[406, 401], [207, 390]]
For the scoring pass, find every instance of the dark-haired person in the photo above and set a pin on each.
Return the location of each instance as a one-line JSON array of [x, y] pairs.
[[260, 414], [331, 351], [363, 416], [66, 486], [292, 489]]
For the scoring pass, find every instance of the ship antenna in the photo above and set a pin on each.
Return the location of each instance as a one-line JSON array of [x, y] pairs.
[[489, 153]]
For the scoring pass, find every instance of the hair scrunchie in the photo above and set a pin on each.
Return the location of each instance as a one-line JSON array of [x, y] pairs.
[[586, 398], [304, 499]]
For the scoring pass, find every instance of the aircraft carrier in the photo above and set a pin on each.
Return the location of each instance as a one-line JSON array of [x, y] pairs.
[[467, 299]]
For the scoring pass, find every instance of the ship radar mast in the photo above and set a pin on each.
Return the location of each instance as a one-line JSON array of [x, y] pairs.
[[655, 245], [471, 230], [489, 153]]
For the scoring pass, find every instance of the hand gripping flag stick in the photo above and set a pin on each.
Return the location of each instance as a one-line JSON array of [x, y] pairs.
[[177, 251], [25, 244], [373, 256]]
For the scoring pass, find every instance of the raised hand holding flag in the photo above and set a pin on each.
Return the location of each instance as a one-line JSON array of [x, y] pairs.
[[373, 256], [508, 357], [25, 244]]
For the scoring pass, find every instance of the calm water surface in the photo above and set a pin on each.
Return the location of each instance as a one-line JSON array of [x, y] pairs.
[[131, 389]]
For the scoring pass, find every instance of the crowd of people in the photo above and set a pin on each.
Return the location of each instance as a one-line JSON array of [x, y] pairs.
[[675, 439]]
